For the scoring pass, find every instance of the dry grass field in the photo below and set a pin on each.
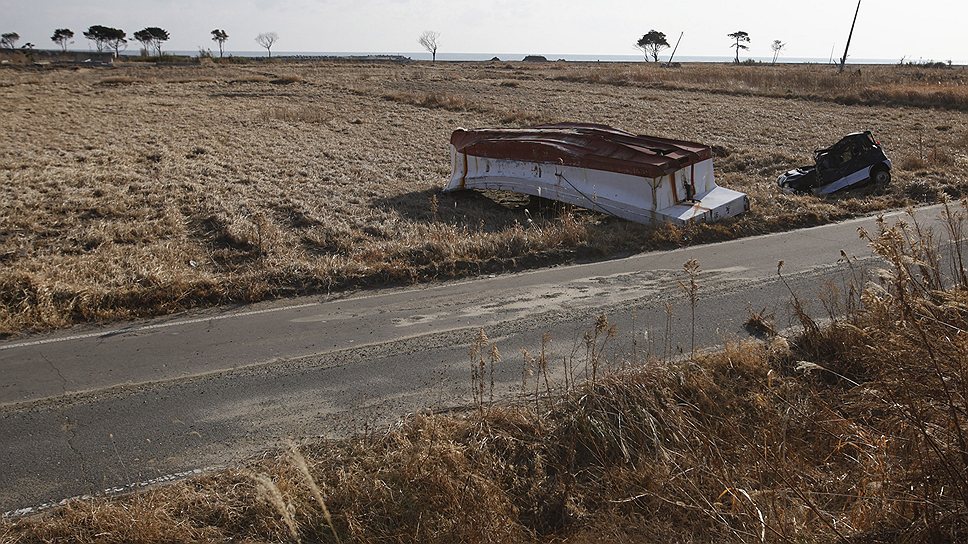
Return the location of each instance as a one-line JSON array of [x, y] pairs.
[[142, 190], [820, 437]]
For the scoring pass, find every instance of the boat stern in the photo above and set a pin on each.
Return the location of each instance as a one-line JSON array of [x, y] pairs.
[[717, 204]]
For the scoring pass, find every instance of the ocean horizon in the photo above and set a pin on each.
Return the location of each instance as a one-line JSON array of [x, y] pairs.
[[479, 57]]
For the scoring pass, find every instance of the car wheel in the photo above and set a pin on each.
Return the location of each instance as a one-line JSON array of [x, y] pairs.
[[881, 176]]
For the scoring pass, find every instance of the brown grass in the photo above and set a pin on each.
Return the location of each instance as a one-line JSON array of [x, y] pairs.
[[253, 78], [287, 79], [449, 102], [123, 200], [303, 114], [850, 432], [120, 80], [926, 87]]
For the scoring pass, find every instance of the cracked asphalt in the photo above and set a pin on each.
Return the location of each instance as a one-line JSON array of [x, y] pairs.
[[86, 410]]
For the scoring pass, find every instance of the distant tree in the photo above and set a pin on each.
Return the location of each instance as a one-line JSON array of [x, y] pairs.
[[147, 41], [9, 40], [430, 40], [152, 38], [62, 37], [96, 35], [652, 43], [740, 38], [267, 40], [220, 37], [117, 41], [777, 46], [161, 36], [105, 37]]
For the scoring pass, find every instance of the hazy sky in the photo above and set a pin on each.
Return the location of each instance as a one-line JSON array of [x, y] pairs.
[[887, 29]]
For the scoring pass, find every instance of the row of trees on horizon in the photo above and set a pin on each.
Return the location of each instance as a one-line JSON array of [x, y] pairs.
[[105, 38], [152, 38]]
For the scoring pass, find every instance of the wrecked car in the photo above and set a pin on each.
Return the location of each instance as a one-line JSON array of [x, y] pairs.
[[639, 178], [855, 160]]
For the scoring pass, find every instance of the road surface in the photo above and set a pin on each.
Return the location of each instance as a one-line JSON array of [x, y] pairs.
[[86, 410]]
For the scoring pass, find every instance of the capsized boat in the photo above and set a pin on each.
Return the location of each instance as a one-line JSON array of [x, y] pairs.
[[638, 178]]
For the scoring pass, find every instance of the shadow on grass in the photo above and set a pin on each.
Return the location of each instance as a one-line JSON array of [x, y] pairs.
[[490, 211]]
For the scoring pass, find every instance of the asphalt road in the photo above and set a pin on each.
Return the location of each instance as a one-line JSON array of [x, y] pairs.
[[87, 410]]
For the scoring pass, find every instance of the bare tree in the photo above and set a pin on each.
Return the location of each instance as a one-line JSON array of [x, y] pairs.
[[429, 40], [267, 40], [220, 36], [777, 46], [741, 38]]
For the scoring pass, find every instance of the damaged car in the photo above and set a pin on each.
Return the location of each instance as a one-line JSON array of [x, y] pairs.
[[855, 160]]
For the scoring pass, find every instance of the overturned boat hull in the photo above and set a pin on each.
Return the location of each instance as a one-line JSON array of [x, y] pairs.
[[641, 179]]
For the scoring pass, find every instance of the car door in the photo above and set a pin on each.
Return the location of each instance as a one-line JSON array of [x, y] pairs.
[[868, 154], [833, 164]]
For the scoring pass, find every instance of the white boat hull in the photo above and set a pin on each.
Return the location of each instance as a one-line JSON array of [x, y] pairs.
[[688, 195]]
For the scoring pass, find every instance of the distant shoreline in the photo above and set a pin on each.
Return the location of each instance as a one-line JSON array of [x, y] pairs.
[[178, 56], [512, 57]]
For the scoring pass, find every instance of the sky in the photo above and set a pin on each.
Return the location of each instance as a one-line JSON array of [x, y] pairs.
[[886, 29]]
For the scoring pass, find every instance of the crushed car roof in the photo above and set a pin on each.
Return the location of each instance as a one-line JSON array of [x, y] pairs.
[[584, 145]]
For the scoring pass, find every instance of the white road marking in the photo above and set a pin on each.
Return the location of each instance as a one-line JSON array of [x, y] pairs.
[[20, 512], [153, 327]]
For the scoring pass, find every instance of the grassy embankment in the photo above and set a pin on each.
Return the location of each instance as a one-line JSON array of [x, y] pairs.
[[144, 190], [854, 431]]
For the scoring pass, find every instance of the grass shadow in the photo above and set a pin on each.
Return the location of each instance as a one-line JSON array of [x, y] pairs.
[[490, 211]]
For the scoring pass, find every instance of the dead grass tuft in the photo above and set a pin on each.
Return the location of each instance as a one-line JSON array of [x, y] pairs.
[[305, 114], [760, 324], [193, 80], [431, 100], [287, 80], [120, 80], [250, 78], [524, 118]]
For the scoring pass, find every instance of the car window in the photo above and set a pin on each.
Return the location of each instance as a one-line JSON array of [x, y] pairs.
[[847, 154]]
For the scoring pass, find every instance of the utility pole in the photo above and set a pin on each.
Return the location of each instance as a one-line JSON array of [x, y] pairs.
[[674, 50], [843, 61]]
